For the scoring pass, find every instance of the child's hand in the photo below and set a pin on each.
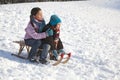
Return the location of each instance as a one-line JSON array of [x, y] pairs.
[[49, 32]]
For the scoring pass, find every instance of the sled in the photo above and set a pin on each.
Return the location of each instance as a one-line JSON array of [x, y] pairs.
[[22, 45], [61, 59], [67, 59], [58, 61]]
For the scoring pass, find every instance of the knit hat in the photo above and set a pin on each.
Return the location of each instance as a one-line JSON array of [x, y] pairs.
[[54, 20]]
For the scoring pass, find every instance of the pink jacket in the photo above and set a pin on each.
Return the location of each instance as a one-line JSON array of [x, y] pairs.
[[30, 33]]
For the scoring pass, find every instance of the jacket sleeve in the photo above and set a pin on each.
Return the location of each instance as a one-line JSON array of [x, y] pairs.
[[31, 31], [46, 27]]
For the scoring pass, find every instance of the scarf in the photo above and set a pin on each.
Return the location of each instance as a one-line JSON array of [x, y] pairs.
[[40, 24]]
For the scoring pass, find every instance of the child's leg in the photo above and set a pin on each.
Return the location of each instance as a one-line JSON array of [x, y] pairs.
[[34, 46], [46, 48], [54, 52], [43, 56], [61, 51]]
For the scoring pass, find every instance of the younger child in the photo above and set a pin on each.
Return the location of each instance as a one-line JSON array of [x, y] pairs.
[[54, 41]]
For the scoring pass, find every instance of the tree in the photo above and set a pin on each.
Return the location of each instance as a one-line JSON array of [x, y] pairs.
[[19, 1]]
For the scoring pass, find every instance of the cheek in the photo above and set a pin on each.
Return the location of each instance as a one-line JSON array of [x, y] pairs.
[[58, 27], [39, 17]]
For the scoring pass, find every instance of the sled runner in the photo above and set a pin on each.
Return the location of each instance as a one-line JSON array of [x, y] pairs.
[[22, 45], [61, 60], [67, 59]]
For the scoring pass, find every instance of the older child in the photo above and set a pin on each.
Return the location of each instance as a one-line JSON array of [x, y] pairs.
[[54, 41], [34, 35]]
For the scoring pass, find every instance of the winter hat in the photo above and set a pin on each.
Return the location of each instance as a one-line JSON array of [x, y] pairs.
[[54, 20]]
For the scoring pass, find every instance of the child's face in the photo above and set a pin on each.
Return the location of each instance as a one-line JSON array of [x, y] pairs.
[[39, 15], [57, 26]]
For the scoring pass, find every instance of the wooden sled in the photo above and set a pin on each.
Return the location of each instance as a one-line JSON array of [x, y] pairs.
[[61, 59], [22, 45], [67, 59], [58, 61]]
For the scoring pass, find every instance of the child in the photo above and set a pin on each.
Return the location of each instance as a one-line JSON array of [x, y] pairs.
[[54, 41], [34, 35]]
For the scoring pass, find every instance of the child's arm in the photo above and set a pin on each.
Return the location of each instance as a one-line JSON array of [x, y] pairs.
[[56, 37], [31, 31], [57, 34]]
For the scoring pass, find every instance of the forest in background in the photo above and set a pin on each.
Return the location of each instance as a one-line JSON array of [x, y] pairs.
[[22, 1]]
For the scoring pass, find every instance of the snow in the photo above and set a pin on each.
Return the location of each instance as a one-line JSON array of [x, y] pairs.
[[90, 30]]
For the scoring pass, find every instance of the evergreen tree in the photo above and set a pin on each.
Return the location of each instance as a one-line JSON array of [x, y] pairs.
[[19, 1]]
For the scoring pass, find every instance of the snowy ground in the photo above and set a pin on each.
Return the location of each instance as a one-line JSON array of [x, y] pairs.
[[90, 30]]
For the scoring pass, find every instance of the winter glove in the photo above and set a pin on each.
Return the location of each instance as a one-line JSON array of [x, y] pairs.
[[49, 32]]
